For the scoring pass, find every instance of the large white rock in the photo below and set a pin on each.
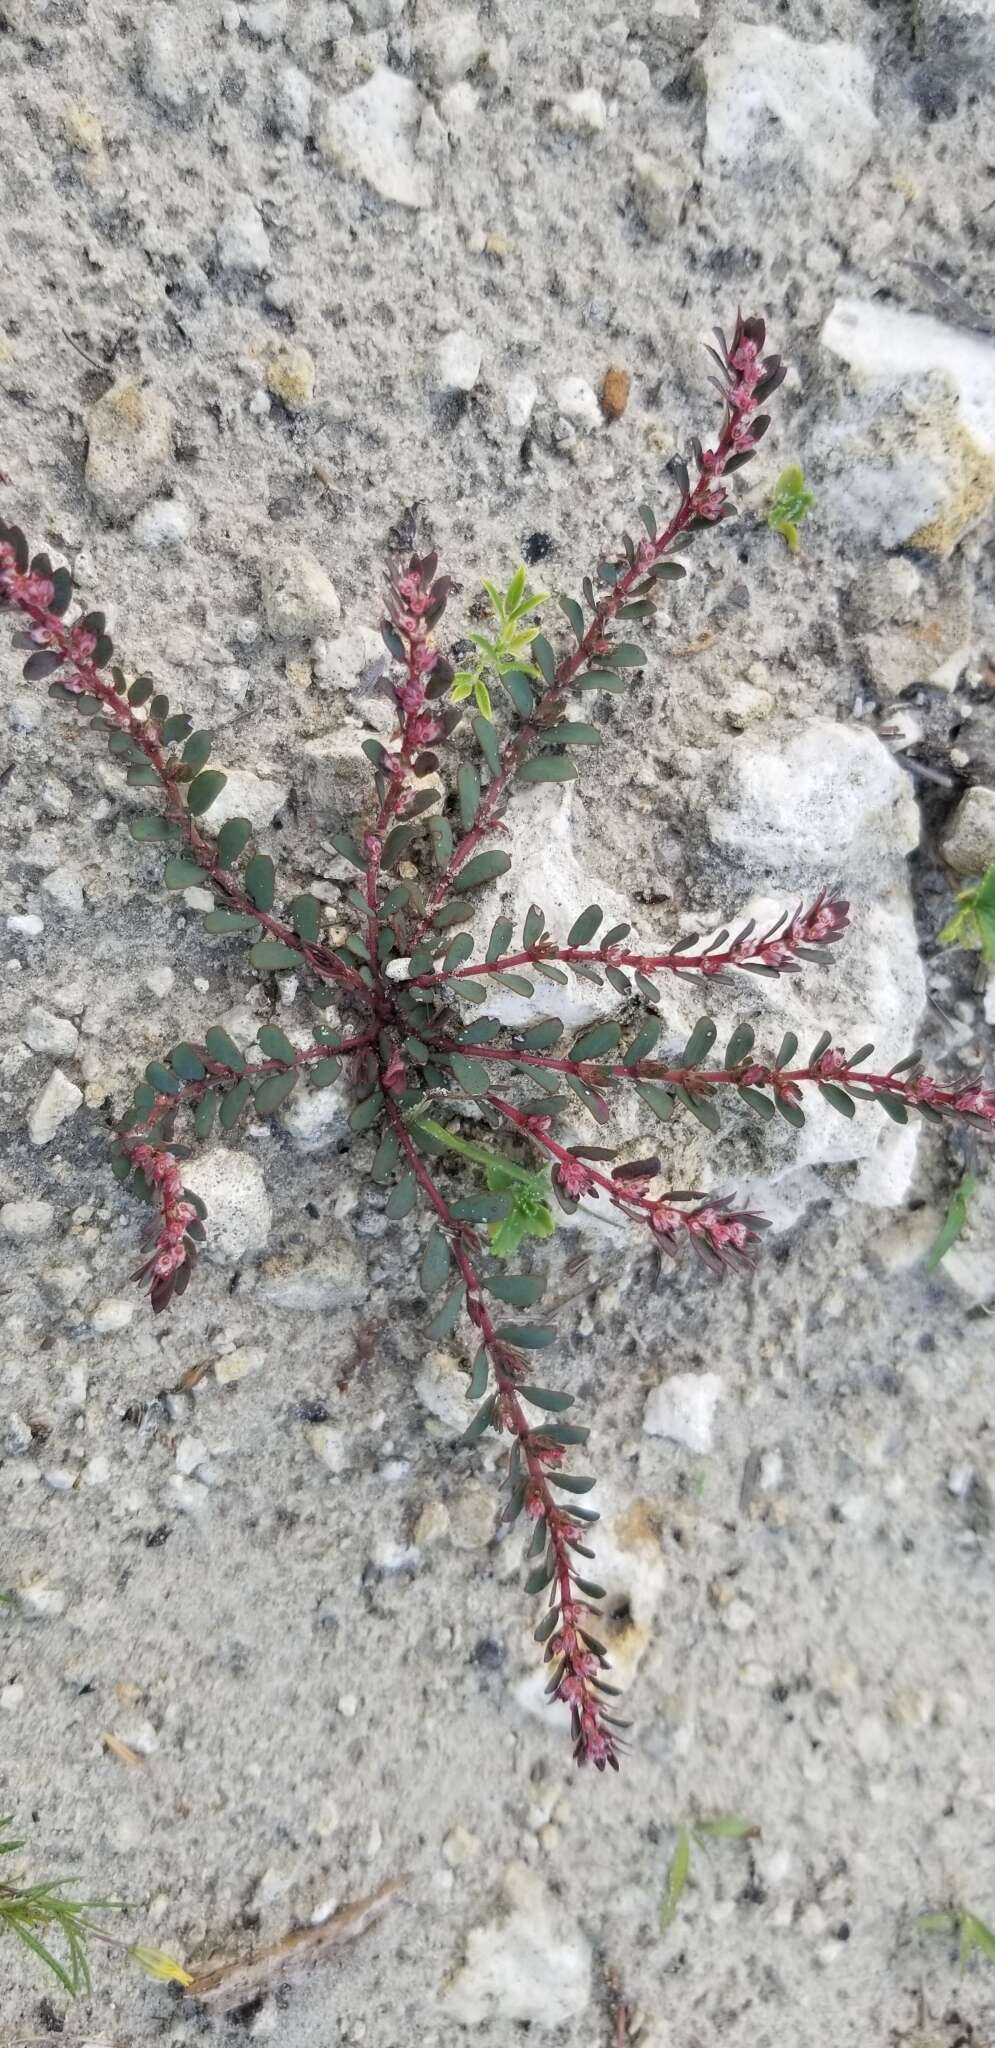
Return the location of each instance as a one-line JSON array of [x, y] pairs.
[[532, 1967], [239, 1213], [56, 1036], [829, 799], [771, 95], [912, 458], [683, 1408], [370, 133], [250, 796], [546, 869]]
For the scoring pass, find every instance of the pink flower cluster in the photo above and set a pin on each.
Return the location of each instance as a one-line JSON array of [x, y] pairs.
[[171, 1251]]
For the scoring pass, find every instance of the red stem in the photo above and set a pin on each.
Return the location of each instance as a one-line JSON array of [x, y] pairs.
[[588, 648], [24, 590], [966, 1101], [595, 1742]]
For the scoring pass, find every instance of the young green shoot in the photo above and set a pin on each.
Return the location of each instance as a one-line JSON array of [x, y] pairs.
[[791, 504], [504, 654], [973, 922], [970, 1933], [726, 1827], [953, 1222]]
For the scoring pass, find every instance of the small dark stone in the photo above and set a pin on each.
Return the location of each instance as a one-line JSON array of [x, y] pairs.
[[487, 1654], [157, 1537], [311, 1411], [537, 546], [843, 1931]]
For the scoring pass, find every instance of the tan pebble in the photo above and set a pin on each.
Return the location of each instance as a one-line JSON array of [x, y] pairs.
[[291, 378], [615, 392], [432, 1524], [82, 129]]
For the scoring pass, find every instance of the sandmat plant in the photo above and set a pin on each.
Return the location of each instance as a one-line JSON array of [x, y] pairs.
[[409, 987]]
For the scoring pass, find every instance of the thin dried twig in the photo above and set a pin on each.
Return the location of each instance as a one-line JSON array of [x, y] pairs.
[[229, 1985]]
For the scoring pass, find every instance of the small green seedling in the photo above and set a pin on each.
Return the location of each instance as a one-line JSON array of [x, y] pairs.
[[506, 654], [33, 1912], [953, 1222], [973, 922], [728, 1827], [791, 504], [970, 1932], [522, 1210]]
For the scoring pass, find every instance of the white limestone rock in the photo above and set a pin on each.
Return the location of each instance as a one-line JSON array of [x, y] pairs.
[[683, 1408], [370, 133], [771, 96], [239, 1214], [59, 1100], [459, 356], [531, 1966], [911, 458]]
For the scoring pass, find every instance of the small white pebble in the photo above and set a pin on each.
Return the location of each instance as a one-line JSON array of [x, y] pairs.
[[42, 1601], [581, 113], [237, 1364], [578, 402], [738, 1616], [348, 1705], [520, 400], [111, 1314], [25, 925], [65, 887], [459, 358], [27, 1220], [190, 1452], [166, 523], [160, 980], [11, 1697], [96, 1471], [872, 1741], [59, 1479]]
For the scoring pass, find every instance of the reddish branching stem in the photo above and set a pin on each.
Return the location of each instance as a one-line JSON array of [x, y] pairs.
[[748, 380], [779, 949], [75, 655], [578, 1658], [147, 1145]]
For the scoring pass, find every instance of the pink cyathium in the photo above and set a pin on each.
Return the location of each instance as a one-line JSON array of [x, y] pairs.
[[405, 1042]]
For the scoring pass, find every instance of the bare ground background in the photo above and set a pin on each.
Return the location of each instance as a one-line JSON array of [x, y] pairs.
[[328, 1679]]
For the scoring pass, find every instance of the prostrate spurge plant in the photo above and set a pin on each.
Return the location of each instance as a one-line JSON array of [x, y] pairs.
[[403, 977]]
